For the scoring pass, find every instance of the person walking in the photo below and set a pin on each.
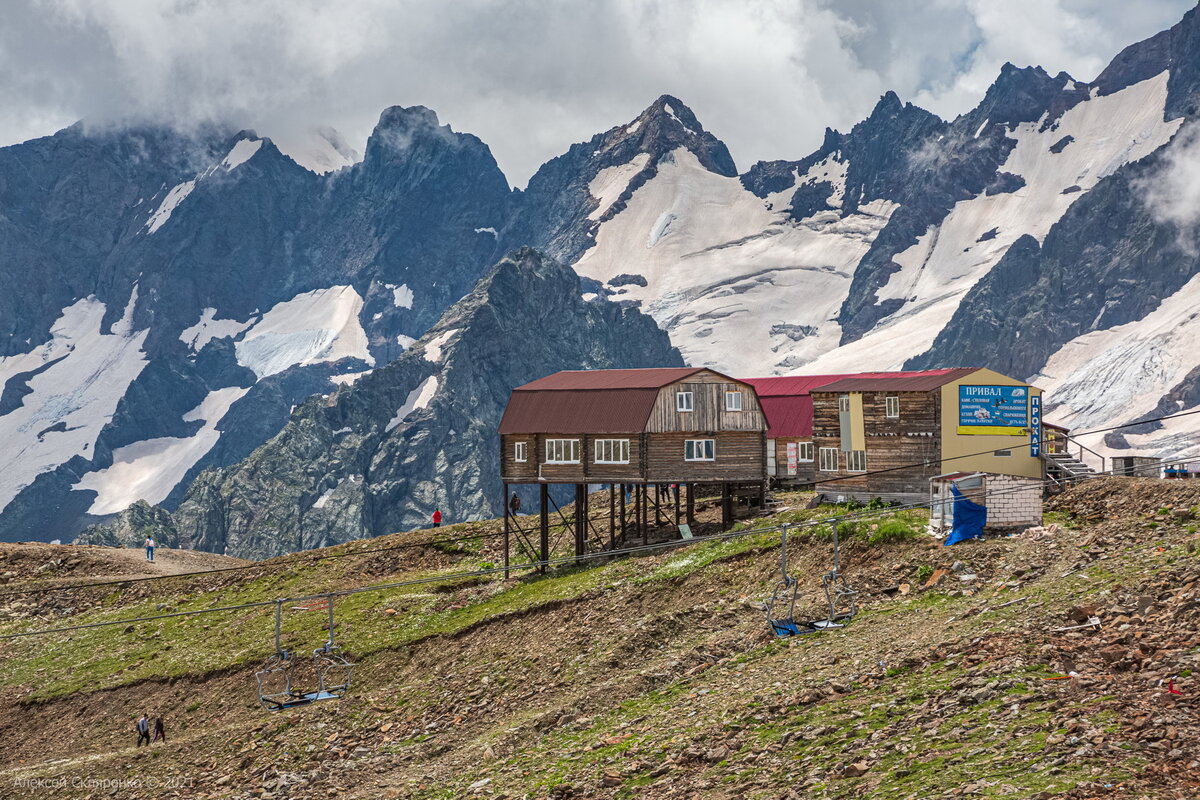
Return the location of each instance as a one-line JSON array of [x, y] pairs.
[[143, 730], [160, 730], [437, 517], [149, 548], [514, 503]]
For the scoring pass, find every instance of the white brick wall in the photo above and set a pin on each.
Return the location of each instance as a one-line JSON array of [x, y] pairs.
[[1013, 501]]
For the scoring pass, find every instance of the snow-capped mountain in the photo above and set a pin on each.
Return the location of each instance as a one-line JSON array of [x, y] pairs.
[[417, 434], [169, 299], [1034, 234]]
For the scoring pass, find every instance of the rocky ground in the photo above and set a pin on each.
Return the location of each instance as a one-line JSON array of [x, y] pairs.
[[1058, 663]]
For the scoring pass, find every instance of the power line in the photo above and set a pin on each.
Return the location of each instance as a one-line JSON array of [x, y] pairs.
[[564, 560]]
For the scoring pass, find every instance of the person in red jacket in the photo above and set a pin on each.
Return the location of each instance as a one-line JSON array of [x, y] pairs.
[[437, 517]]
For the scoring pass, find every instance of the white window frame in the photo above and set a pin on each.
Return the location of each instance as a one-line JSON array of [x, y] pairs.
[[856, 455], [684, 401], [730, 396], [520, 453], [844, 402], [801, 449], [825, 453], [708, 449], [611, 451], [560, 451], [891, 403]]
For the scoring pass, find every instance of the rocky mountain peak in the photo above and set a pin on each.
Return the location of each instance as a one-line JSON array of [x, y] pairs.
[[1023, 94], [404, 132]]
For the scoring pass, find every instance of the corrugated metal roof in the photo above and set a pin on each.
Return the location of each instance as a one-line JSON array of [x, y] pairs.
[[578, 411], [787, 403], [575, 379], [788, 416], [900, 382]]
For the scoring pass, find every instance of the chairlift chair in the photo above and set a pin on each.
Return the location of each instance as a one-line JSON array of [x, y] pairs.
[[840, 598], [787, 590], [276, 679]]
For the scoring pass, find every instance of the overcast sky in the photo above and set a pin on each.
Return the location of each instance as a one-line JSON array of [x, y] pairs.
[[530, 77]]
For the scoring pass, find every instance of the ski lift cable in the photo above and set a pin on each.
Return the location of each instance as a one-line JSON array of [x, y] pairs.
[[562, 561], [482, 536]]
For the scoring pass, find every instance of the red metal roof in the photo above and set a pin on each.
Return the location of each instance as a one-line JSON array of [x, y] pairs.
[[578, 411], [899, 382], [574, 379], [788, 405], [788, 416], [590, 401]]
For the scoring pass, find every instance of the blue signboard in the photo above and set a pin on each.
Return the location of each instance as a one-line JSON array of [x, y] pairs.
[[993, 409], [1035, 425]]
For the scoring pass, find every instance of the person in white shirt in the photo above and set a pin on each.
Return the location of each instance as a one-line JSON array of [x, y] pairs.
[[149, 549]]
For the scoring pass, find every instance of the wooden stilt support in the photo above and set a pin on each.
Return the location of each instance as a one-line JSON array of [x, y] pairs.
[[581, 512], [507, 523], [645, 514], [658, 505], [726, 508], [691, 504], [612, 516], [675, 491], [624, 522], [544, 526]]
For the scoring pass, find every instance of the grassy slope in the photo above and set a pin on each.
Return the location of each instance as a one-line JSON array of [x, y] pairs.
[[644, 676]]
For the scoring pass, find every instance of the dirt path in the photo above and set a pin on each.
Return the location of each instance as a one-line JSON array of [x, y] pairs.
[[30, 564]]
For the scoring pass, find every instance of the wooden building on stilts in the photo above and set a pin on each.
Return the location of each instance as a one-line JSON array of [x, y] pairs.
[[655, 437]]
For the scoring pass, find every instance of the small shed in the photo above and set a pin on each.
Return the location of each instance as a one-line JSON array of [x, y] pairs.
[[1013, 502]]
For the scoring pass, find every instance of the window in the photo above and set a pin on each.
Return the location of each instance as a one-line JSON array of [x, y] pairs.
[[891, 407], [699, 450], [844, 403], [519, 451], [805, 451], [612, 451], [856, 461], [733, 401], [829, 459], [562, 451], [683, 401]]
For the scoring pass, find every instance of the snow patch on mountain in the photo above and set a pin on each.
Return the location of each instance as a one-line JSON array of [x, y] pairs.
[[402, 296], [433, 348], [722, 269], [417, 399], [209, 328], [168, 205], [318, 150], [73, 398], [314, 327], [150, 469], [609, 182], [242, 152], [950, 258]]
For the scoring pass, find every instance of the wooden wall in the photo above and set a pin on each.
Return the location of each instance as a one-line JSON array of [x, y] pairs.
[[655, 457], [587, 471], [740, 456], [890, 443], [805, 470], [708, 403]]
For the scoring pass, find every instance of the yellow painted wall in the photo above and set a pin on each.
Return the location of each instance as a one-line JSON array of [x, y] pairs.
[[858, 428], [966, 445]]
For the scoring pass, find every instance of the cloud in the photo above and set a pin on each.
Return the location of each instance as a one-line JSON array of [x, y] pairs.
[[531, 78], [1172, 191]]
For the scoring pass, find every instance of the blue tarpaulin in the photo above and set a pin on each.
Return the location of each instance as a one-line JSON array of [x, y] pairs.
[[969, 518]]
